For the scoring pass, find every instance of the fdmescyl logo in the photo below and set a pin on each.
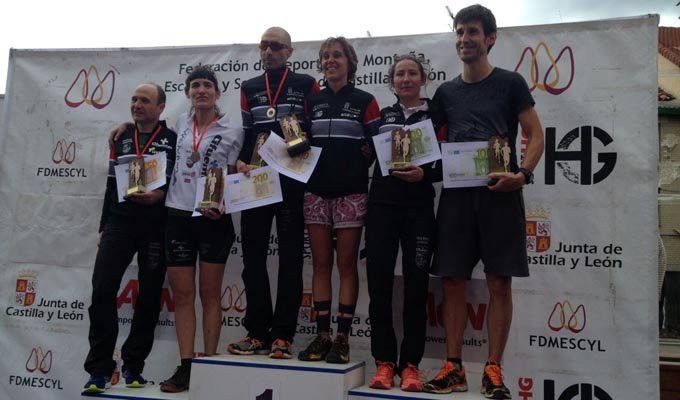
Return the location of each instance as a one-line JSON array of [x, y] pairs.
[[38, 364], [559, 155], [63, 154], [539, 78], [577, 391], [538, 230], [569, 321], [234, 300], [101, 94]]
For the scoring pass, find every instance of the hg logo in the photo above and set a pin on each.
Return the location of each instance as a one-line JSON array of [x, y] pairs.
[[560, 155], [577, 391]]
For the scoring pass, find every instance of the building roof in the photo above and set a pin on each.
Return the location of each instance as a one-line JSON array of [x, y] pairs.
[[669, 44], [669, 70]]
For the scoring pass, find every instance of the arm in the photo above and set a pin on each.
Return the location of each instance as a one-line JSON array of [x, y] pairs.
[[110, 194], [371, 122]]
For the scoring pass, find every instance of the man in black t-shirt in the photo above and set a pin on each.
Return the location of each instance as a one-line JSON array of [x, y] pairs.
[[485, 222], [135, 225]]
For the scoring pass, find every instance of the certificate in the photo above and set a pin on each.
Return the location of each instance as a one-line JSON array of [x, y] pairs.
[[465, 164], [261, 188], [275, 153], [154, 168], [423, 146]]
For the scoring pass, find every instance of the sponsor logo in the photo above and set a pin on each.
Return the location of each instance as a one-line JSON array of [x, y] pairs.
[[557, 154], [129, 294], [539, 79], [26, 288], [569, 321], [39, 360], [233, 298], [64, 152], [476, 314], [577, 391], [307, 312], [79, 92], [538, 230]]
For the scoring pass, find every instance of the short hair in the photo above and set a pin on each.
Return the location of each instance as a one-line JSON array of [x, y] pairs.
[[348, 49], [159, 92], [479, 13], [201, 72], [410, 57], [286, 35]]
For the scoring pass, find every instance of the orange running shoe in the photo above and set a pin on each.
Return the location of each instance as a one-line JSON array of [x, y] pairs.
[[410, 381], [281, 349], [449, 379], [492, 382], [384, 376]]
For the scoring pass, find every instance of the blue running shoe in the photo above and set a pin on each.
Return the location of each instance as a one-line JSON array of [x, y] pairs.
[[97, 384], [134, 379]]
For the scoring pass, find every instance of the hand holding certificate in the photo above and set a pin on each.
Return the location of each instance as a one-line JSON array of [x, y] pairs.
[[154, 174], [421, 146], [275, 153]]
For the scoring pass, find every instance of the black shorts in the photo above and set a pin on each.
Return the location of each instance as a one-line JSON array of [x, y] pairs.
[[474, 224], [189, 237]]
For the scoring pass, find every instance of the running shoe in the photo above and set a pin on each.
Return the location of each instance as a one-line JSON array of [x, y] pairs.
[[410, 380], [179, 381], [248, 346], [449, 379], [97, 384], [339, 352], [281, 349], [384, 376], [492, 383], [133, 379], [317, 349]]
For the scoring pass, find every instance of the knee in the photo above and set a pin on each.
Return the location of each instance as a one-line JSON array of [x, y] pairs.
[[210, 295], [453, 285], [499, 287], [184, 296], [347, 271], [322, 270]]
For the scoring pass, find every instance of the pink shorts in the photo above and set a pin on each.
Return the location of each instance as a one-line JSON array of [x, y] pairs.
[[337, 212]]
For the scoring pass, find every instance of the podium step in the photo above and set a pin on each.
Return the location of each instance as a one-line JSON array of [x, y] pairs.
[[231, 377], [151, 392], [366, 393]]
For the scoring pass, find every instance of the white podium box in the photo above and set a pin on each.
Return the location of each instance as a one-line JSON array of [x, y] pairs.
[[366, 393], [151, 392], [228, 377]]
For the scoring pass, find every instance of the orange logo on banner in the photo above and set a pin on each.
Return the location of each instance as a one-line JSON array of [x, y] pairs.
[[542, 83], [39, 360], [26, 288], [98, 97], [564, 316], [64, 152], [233, 298]]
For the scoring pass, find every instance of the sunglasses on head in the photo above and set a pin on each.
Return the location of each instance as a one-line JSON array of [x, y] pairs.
[[275, 46]]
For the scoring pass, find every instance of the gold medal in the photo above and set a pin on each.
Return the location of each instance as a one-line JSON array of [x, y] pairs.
[[271, 112]]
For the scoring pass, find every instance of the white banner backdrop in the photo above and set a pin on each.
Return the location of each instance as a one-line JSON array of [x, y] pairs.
[[585, 321]]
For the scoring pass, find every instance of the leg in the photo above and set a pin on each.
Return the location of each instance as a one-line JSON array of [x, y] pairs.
[[321, 243], [500, 314], [455, 315], [290, 228], [382, 245], [115, 252], [210, 286], [151, 275], [183, 285], [256, 227], [348, 249]]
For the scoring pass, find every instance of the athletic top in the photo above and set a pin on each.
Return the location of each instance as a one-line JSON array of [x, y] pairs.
[[477, 111], [394, 191], [122, 152], [341, 124], [219, 148]]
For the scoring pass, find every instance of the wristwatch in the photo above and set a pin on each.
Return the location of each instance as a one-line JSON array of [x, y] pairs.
[[528, 176]]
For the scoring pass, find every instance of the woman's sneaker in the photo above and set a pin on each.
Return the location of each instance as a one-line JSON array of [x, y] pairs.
[[134, 379], [339, 352], [410, 380], [248, 346], [179, 381], [384, 376], [281, 349], [97, 384], [317, 349]]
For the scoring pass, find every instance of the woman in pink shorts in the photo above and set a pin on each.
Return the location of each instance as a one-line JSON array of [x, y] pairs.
[[342, 121]]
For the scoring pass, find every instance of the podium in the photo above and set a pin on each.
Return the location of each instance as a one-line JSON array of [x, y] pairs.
[[229, 377], [366, 393], [150, 392]]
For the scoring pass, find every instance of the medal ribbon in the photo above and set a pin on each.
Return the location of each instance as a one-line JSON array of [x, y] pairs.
[[148, 143], [195, 145], [272, 103]]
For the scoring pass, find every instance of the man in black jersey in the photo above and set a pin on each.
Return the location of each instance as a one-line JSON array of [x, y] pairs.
[[264, 100], [485, 222], [135, 225]]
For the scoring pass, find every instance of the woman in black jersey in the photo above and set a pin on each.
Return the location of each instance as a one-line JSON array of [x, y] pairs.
[[400, 211]]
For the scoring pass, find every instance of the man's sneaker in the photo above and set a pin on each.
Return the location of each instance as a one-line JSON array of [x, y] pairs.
[[248, 346], [384, 376], [339, 352], [179, 381], [449, 379], [492, 383], [97, 384], [317, 349], [410, 381], [133, 379], [281, 349]]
